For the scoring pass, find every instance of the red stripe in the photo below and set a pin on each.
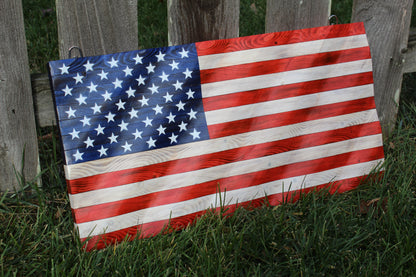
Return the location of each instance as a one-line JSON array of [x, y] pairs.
[[153, 228], [226, 184], [128, 176], [286, 91], [281, 65], [288, 118], [281, 38]]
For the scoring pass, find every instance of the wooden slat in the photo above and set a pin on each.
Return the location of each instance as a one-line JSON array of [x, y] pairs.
[[285, 15], [387, 42], [97, 26], [198, 20], [42, 97], [17, 124]]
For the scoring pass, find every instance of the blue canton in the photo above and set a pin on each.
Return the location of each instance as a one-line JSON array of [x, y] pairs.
[[128, 102]]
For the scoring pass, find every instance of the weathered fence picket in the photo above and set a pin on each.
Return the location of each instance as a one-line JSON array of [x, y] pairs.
[[108, 26], [199, 20], [387, 23], [18, 143], [285, 15], [97, 26]]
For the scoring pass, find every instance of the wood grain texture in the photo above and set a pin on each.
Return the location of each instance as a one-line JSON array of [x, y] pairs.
[[198, 20], [97, 26], [284, 15], [17, 123], [43, 101], [387, 23]]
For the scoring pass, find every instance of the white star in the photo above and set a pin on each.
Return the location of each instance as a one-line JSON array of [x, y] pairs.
[[113, 138], [182, 126], [184, 53], [81, 100], [180, 106], [171, 117], [113, 63], [78, 78], [120, 105], [96, 108], [144, 101], [151, 142], [187, 73], [85, 121], [123, 126], [99, 129], [107, 96], [137, 134], [103, 75], [160, 56], [67, 91], [195, 134], [178, 85], [74, 134], [133, 113], [140, 80], [103, 151], [110, 117], [164, 77], [157, 109], [117, 83], [173, 138], [161, 130], [88, 66], [92, 87], [64, 69], [154, 89], [138, 59], [150, 68], [147, 122], [127, 147], [127, 71], [70, 112], [89, 142], [168, 97], [174, 65], [78, 156], [190, 94], [192, 114], [130, 92]]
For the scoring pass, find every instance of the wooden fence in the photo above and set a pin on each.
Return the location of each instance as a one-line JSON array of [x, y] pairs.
[[108, 26]]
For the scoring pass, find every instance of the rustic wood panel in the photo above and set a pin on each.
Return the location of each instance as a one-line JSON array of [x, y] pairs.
[[388, 42], [198, 20], [284, 15], [17, 123], [42, 97], [97, 26]]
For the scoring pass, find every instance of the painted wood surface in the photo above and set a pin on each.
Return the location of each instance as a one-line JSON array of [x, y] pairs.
[[284, 15], [198, 20], [17, 123], [387, 24], [97, 26]]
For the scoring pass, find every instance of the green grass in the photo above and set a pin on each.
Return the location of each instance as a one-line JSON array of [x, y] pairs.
[[366, 232]]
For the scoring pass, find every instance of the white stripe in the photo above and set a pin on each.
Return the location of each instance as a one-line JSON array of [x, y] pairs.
[[173, 210], [285, 78], [227, 170], [288, 104], [182, 151], [281, 51]]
